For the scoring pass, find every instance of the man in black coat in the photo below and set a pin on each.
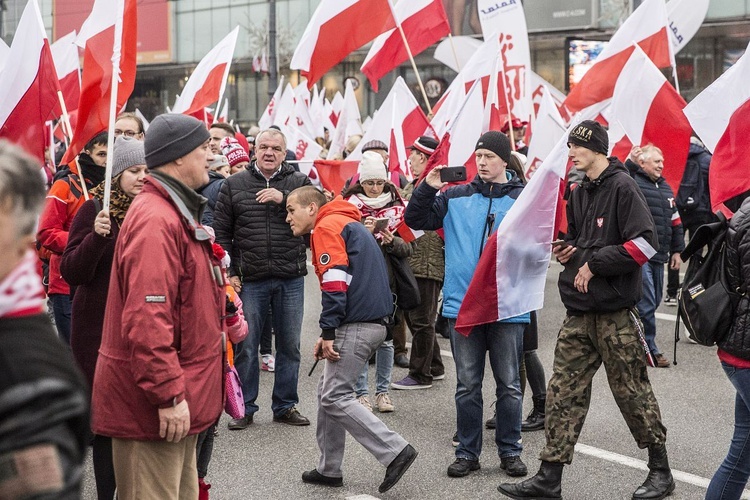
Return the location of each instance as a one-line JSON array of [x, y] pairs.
[[268, 268]]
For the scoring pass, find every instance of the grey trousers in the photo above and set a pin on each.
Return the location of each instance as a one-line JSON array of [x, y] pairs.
[[339, 411]]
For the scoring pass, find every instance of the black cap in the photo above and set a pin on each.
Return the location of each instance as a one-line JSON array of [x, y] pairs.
[[590, 135], [497, 142]]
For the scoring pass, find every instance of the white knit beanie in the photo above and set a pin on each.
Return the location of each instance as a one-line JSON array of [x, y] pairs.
[[371, 166]]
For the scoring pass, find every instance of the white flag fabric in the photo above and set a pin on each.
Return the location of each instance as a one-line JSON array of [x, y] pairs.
[[549, 127], [266, 119], [685, 19], [349, 123]]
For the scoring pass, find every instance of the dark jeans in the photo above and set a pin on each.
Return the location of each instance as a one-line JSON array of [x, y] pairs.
[[398, 331], [731, 477], [266, 338], [61, 306], [425, 360], [204, 448]]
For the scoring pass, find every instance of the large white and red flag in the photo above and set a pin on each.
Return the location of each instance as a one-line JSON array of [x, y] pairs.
[[424, 22], [98, 36], [549, 127], [28, 84], [338, 28], [67, 64], [507, 21], [207, 82], [720, 115], [266, 119], [512, 271], [349, 123], [400, 120], [647, 26], [649, 110], [685, 19]]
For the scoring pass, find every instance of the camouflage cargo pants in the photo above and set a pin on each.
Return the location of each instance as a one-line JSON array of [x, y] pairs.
[[584, 343]]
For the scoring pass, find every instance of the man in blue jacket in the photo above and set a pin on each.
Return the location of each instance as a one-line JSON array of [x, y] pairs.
[[469, 214]]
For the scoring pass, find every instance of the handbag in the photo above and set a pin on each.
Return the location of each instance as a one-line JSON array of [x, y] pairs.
[[234, 404], [407, 290]]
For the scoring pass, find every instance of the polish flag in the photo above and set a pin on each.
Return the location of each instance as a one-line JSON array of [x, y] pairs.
[[349, 123], [512, 271], [28, 84], [334, 173], [302, 118], [720, 115], [67, 64], [493, 119], [206, 85], [338, 28], [649, 110], [98, 36], [424, 22], [399, 120], [549, 128], [332, 111], [538, 86], [304, 147], [266, 119], [648, 26]]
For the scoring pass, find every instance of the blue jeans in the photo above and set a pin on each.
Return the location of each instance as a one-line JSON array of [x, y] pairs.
[[653, 289], [61, 307], [384, 371], [504, 341], [731, 477], [286, 297]]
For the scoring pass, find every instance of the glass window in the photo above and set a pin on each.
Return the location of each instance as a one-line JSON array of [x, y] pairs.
[[718, 9]]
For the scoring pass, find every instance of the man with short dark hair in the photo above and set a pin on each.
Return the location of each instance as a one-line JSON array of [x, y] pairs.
[[218, 132], [356, 302], [610, 236], [268, 269]]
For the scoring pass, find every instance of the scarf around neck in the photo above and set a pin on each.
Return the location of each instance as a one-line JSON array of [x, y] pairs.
[[119, 202]]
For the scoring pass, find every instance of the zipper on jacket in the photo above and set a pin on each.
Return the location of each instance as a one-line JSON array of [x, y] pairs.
[[268, 231], [489, 223]]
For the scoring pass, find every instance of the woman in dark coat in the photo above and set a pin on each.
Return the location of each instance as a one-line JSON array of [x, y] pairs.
[[86, 265]]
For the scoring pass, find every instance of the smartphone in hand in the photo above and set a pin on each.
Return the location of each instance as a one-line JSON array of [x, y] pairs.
[[453, 174], [381, 223], [561, 244]]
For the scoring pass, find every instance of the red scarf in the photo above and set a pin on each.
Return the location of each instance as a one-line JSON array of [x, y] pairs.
[[21, 292], [395, 212]]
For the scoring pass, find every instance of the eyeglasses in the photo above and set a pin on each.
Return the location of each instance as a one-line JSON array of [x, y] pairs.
[[274, 149], [126, 133], [373, 183]]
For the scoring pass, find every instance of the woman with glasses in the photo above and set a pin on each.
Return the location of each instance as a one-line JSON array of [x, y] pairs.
[[129, 125], [377, 198]]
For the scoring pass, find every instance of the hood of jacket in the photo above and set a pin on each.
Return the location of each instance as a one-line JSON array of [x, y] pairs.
[[339, 206], [614, 167]]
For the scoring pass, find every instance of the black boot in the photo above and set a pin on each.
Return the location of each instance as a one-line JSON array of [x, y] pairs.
[[659, 483], [544, 486], [535, 420]]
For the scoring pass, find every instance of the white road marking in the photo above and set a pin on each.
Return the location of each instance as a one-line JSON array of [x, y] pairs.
[[362, 497], [666, 317]]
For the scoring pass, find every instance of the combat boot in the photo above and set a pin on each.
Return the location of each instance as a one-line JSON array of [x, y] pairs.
[[659, 483], [546, 485], [535, 420]]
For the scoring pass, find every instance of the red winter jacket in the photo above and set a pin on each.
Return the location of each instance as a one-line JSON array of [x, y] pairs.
[[162, 338]]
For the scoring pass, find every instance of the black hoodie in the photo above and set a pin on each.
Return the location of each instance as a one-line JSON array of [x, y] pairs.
[[611, 226]]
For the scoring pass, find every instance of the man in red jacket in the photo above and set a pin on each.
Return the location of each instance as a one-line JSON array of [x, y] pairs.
[[158, 380]]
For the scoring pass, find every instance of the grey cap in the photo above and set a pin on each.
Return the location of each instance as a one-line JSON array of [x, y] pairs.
[[127, 153], [171, 136], [218, 162]]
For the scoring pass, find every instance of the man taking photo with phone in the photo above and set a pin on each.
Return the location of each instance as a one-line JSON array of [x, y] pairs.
[[469, 214]]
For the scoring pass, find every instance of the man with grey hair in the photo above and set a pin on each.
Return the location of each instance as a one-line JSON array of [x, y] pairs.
[[268, 269], [43, 402]]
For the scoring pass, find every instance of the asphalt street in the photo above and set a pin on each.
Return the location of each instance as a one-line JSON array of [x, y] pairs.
[[265, 461]]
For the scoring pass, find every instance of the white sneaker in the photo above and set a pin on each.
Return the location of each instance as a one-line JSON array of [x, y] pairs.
[[383, 400], [365, 401], [269, 363]]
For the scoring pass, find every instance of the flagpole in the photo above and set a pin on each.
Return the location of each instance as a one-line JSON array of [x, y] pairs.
[[411, 57], [455, 54], [65, 119], [116, 54]]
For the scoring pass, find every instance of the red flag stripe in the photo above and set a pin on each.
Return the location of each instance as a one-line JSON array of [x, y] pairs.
[[640, 250]]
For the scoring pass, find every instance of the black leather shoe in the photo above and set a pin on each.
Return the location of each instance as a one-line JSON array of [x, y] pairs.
[[292, 417], [659, 482], [401, 360], [237, 424], [545, 485], [535, 420], [315, 477], [397, 468], [514, 466], [463, 467]]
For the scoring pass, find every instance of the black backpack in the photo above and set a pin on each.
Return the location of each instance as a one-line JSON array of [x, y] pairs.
[[693, 192], [705, 302]]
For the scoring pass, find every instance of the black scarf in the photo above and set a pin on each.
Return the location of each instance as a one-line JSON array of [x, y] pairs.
[[93, 173]]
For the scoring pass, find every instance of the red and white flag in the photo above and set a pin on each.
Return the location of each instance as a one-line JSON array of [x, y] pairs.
[[399, 119], [302, 118], [332, 111], [349, 123], [549, 127], [507, 21], [649, 110], [206, 85], [28, 84], [338, 28], [720, 115], [98, 36], [266, 119], [284, 111], [67, 64], [424, 22], [260, 62], [647, 26], [512, 271], [538, 85], [304, 147]]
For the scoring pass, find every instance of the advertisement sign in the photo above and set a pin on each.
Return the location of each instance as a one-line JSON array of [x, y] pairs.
[[581, 56], [560, 14], [154, 26]]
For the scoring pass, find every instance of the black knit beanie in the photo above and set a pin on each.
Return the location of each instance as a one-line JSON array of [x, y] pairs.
[[171, 136], [497, 142], [590, 135]]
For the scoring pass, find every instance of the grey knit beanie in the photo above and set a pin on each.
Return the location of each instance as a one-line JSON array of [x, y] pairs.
[[171, 136], [128, 152]]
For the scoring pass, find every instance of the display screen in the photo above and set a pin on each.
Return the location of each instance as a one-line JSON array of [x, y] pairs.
[[581, 56]]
